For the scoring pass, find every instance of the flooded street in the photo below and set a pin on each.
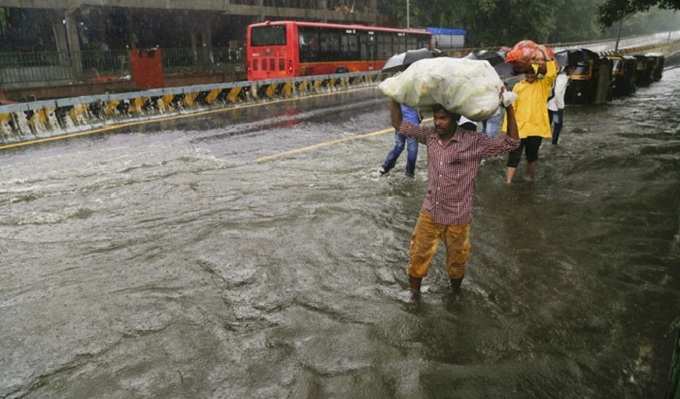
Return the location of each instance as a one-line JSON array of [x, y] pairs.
[[165, 262]]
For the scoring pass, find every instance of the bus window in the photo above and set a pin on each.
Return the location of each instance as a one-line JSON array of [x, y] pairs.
[[372, 47], [268, 36], [309, 45], [363, 46], [399, 43], [330, 45], [412, 42], [384, 46], [349, 46], [368, 46], [390, 49], [390, 45]]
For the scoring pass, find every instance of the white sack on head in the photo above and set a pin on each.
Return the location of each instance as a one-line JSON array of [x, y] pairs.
[[468, 87]]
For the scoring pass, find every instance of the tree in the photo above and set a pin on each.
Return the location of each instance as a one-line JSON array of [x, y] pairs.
[[653, 21], [3, 19], [615, 10], [491, 23]]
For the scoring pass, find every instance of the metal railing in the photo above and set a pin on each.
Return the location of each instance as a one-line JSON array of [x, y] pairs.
[[105, 62], [39, 121], [201, 59], [50, 67]]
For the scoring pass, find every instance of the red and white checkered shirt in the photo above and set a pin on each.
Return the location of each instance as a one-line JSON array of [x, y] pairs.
[[452, 167]]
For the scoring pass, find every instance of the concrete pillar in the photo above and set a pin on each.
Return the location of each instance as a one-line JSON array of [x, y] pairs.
[[73, 42]]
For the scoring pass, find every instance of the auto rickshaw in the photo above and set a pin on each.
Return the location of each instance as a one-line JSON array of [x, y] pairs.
[[623, 74], [657, 61], [590, 77], [644, 71]]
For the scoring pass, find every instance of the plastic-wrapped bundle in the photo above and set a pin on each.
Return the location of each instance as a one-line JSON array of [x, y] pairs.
[[467, 87], [549, 52], [527, 52], [523, 52]]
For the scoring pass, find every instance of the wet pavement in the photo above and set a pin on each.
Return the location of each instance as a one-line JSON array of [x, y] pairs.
[[164, 262]]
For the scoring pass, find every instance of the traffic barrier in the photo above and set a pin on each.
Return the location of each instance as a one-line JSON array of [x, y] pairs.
[[63, 117]]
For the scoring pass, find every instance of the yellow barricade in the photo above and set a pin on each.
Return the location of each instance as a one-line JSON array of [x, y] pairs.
[[303, 87], [77, 113], [43, 118], [287, 90], [137, 105], [111, 107], [167, 99], [212, 95], [4, 123], [233, 94], [190, 99], [271, 90]]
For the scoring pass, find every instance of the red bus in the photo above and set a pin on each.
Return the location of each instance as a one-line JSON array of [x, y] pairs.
[[284, 49]]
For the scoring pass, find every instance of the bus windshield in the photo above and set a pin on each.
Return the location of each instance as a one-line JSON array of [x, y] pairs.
[[268, 36]]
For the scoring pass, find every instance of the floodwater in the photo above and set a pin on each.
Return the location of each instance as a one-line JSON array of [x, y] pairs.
[[165, 262]]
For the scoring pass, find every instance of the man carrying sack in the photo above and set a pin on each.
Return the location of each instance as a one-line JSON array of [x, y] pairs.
[[453, 159]]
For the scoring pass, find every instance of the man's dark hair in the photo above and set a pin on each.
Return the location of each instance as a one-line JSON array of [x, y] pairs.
[[437, 108]]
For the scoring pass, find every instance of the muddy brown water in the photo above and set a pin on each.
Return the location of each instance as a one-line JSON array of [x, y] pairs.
[[164, 262]]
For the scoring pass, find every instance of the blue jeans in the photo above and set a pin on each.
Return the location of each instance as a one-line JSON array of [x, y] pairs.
[[412, 153], [556, 120], [492, 126]]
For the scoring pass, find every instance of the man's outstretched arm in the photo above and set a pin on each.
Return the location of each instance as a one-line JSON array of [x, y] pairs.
[[513, 130], [505, 142], [405, 128]]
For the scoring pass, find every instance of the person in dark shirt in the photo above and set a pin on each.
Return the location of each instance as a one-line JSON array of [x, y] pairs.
[[453, 159]]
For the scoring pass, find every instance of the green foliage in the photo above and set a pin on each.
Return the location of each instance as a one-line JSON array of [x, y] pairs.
[[655, 20], [3, 19], [612, 11], [504, 22], [494, 22]]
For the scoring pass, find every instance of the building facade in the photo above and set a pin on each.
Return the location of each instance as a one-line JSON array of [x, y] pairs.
[[66, 41], [73, 25]]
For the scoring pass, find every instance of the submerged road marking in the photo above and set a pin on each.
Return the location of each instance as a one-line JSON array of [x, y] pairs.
[[107, 129], [328, 143]]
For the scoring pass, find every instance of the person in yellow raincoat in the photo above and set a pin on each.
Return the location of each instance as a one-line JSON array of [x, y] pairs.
[[531, 109]]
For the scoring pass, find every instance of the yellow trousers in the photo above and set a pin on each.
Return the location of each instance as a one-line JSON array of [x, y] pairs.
[[424, 243]]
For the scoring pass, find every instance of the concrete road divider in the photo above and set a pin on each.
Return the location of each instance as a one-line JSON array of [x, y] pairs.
[[49, 120]]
